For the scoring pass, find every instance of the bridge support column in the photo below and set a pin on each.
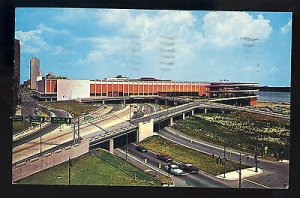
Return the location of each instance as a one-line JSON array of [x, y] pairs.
[[183, 116], [111, 145], [145, 129], [156, 101], [171, 121], [193, 112], [103, 102], [223, 111], [166, 102], [205, 110]]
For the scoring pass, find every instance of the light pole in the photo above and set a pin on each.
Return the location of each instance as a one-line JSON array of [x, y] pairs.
[[169, 170], [224, 159], [40, 144], [69, 170], [240, 172], [256, 154], [130, 113], [126, 153], [40, 137]]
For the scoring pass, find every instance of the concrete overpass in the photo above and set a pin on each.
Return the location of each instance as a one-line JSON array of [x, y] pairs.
[[145, 126], [165, 100]]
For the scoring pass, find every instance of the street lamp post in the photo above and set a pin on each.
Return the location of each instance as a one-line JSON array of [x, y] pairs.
[[69, 170], [169, 170], [40, 139], [224, 159], [256, 154], [130, 113], [240, 172], [40, 144], [126, 153]]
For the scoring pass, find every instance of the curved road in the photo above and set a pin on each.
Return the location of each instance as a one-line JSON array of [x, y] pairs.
[[189, 180], [42, 131], [276, 174]]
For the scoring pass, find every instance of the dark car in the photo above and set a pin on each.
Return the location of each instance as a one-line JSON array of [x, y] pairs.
[[164, 157], [188, 168], [141, 149]]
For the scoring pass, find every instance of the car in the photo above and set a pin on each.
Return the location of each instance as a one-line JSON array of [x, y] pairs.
[[174, 169], [141, 149], [164, 157], [188, 168]]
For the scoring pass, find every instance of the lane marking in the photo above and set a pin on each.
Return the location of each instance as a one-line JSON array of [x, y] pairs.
[[256, 183]]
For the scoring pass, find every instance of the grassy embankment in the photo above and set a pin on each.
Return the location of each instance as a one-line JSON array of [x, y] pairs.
[[94, 168], [20, 126], [73, 107], [180, 153], [165, 106], [240, 131]]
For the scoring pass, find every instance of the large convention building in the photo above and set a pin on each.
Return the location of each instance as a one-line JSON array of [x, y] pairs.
[[51, 88]]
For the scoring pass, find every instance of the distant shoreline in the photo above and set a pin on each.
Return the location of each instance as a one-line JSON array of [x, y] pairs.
[[275, 89]]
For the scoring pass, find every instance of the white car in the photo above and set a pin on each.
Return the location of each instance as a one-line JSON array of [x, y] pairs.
[[174, 169]]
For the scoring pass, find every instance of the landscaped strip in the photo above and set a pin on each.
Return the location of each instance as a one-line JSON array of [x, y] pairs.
[[241, 131], [20, 126], [204, 162], [94, 168], [73, 107]]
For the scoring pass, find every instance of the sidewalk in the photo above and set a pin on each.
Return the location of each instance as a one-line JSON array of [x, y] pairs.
[[234, 175]]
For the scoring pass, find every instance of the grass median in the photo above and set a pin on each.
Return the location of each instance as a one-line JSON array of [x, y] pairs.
[[94, 168], [203, 161], [240, 130], [20, 126], [73, 107]]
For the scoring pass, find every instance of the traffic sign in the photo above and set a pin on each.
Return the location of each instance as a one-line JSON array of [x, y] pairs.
[[37, 119], [60, 120], [17, 118]]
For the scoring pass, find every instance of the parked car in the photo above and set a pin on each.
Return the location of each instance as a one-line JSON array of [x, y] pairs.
[[188, 168], [141, 149], [173, 169], [164, 157]]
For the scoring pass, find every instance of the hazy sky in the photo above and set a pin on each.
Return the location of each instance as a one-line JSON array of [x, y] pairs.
[[176, 45]]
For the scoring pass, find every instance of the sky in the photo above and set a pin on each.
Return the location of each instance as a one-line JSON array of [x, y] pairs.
[[177, 45]]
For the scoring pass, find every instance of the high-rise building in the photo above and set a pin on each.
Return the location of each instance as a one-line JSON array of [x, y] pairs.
[[34, 71], [17, 64], [16, 78]]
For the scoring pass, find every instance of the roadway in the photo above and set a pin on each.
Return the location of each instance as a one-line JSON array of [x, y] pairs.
[[275, 175], [189, 180], [212, 103], [60, 136]]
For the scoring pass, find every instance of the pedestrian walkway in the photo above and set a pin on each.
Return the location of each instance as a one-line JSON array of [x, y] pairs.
[[234, 175]]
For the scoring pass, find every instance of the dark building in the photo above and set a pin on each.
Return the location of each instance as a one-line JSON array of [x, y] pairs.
[[17, 63], [16, 78]]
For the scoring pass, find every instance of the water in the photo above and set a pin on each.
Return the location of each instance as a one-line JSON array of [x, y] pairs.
[[274, 96]]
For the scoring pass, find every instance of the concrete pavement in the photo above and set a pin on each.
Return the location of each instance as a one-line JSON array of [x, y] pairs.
[[234, 175]]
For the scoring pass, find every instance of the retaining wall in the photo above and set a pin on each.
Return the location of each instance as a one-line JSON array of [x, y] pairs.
[[48, 160]]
